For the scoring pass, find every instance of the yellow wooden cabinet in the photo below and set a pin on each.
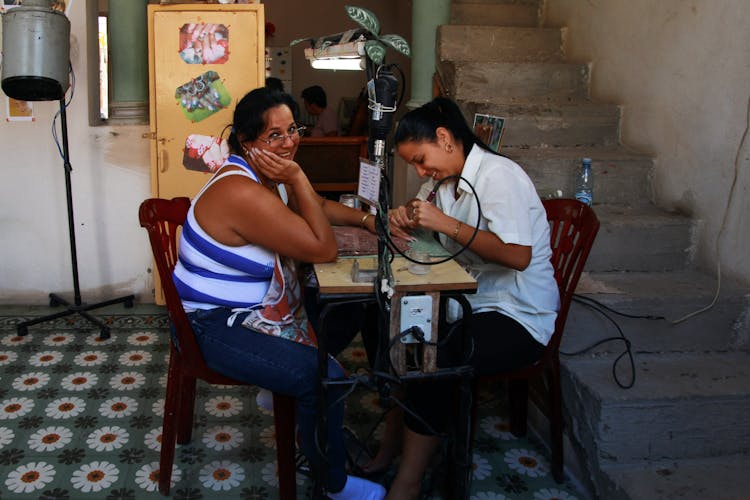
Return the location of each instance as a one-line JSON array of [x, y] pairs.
[[203, 58]]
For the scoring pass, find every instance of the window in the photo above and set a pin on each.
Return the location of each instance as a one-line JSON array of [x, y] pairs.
[[118, 61], [103, 69]]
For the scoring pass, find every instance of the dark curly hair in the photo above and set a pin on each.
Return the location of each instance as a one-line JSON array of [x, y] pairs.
[[248, 121]]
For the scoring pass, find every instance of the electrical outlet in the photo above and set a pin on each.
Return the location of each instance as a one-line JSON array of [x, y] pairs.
[[416, 310]]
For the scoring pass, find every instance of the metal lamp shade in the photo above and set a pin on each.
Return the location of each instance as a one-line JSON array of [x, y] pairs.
[[36, 52]]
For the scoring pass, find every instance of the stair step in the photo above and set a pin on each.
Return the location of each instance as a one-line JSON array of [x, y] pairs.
[[642, 238], [499, 43], [621, 174], [480, 12], [720, 478], [681, 406], [515, 82], [568, 124], [673, 295]]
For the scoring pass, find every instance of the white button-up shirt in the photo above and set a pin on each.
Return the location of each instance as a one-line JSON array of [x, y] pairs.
[[511, 209]]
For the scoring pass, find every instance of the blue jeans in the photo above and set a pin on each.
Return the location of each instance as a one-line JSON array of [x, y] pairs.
[[280, 366]]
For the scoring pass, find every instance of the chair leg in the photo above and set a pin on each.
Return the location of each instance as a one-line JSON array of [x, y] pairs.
[[284, 420], [186, 410], [556, 422], [169, 424], [518, 394]]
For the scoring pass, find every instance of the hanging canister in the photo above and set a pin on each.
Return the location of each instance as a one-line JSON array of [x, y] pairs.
[[36, 52]]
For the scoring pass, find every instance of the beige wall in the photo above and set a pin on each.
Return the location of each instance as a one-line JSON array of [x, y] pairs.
[[110, 174], [681, 70]]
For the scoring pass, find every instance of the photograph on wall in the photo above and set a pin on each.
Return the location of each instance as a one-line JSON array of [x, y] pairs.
[[489, 129], [19, 111], [202, 43], [202, 96], [204, 153]]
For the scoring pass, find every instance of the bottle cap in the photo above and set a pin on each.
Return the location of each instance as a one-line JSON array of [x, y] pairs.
[[587, 160]]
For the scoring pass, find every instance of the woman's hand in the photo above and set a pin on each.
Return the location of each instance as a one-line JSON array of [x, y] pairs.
[[400, 223], [274, 167], [425, 214]]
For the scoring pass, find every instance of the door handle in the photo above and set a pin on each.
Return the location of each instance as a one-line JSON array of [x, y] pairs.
[[163, 157], [163, 160]]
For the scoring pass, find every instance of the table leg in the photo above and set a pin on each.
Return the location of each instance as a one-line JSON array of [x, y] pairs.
[[462, 449]]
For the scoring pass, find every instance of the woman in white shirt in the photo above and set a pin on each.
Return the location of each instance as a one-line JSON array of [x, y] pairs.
[[514, 308]]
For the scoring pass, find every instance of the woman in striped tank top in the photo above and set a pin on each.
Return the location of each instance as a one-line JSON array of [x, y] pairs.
[[236, 275]]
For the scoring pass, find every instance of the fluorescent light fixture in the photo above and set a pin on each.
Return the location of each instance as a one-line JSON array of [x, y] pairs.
[[350, 63], [345, 56]]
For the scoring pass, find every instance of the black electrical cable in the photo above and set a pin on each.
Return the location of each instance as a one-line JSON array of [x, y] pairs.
[[403, 81], [393, 246], [395, 340], [628, 348], [582, 299], [417, 333], [66, 104]]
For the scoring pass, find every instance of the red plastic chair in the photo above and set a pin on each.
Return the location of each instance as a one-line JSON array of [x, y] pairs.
[[163, 220], [573, 228]]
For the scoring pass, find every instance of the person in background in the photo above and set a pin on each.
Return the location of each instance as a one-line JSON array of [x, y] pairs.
[[516, 303], [274, 83], [277, 85], [236, 274], [316, 103]]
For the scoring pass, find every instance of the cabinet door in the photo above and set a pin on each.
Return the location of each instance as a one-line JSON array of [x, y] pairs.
[[203, 60]]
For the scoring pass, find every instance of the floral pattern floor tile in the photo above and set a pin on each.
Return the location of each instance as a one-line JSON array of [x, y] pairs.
[[80, 417]]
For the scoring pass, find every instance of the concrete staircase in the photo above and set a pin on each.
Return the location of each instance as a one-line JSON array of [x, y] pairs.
[[683, 429]]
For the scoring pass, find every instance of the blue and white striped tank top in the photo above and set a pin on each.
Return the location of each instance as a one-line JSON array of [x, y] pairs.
[[210, 274]]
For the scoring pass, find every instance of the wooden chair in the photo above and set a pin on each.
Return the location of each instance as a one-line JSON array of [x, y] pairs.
[[573, 227], [163, 220]]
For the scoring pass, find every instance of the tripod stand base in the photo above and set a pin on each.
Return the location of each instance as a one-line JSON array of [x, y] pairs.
[[80, 309]]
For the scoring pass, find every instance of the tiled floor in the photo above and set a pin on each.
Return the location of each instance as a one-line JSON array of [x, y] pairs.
[[81, 418]]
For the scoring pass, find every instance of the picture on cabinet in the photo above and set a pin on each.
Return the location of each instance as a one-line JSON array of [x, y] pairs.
[[204, 153], [202, 43], [202, 96]]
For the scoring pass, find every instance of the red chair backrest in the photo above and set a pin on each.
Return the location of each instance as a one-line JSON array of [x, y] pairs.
[[573, 228], [163, 220]]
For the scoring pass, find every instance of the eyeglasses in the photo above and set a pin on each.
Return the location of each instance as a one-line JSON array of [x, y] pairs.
[[276, 138]]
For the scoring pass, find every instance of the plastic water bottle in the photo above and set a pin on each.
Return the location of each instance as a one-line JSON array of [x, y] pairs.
[[585, 183]]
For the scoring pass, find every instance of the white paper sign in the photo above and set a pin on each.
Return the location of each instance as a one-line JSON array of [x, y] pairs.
[[369, 181]]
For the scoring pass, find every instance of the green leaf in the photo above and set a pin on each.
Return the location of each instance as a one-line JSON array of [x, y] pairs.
[[300, 40], [364, 18], [398, 43], [375, 51]]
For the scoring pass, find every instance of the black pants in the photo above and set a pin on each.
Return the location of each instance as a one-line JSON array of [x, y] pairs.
[[500, 344], [343, 322]]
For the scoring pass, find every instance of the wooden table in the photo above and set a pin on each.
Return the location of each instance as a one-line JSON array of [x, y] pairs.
[[335, 284], [335, 280]]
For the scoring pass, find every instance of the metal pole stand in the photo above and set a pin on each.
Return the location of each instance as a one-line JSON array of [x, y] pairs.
[[77, 307]]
